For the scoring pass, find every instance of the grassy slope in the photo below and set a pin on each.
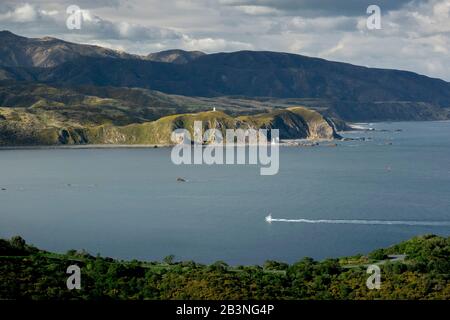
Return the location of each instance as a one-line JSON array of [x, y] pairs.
[[42, 115]]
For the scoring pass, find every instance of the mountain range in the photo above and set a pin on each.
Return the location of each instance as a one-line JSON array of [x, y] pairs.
[[241, 82]]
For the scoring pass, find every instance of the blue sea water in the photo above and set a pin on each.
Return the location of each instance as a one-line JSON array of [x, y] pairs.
[[126, 203]]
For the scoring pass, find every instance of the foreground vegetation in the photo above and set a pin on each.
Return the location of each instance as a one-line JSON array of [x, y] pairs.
[[30, 273]]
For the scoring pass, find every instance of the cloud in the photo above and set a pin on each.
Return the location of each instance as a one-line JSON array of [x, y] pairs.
[[415, 34], [415, 38], [315, 8], [213, 45], [22, 13], [316, 25], [25, 13], [257, 10], [85, 4], [95, 26]]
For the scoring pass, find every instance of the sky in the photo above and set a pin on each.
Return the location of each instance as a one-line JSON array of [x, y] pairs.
[[414, 34]]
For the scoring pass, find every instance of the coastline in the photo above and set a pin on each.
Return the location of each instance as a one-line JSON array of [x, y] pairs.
[[281, 143], [87, 146]]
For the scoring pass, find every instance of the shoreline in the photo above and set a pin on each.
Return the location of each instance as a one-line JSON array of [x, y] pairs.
[[87, 146], [282, 143]]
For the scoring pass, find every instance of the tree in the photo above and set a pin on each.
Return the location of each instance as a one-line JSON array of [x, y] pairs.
[[18, 242], [169, 259]]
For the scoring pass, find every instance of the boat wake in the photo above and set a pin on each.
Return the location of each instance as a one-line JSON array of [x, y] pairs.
[[269, 219]]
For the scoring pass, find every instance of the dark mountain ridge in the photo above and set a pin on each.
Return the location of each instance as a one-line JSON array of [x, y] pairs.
[[350, 91], [267, 74], [17, 51]]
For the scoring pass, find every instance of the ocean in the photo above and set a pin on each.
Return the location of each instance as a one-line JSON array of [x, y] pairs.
[[127, 203]]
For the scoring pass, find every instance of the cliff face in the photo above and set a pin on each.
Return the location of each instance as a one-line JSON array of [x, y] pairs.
[[18, 127]]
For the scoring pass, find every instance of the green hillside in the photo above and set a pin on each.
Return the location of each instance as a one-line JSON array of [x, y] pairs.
[[29, 273], [36, 114]]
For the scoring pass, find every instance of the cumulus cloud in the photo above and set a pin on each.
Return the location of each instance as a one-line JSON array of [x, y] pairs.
[[25, 13], [100, 28], [35, 20], [415, 38]]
